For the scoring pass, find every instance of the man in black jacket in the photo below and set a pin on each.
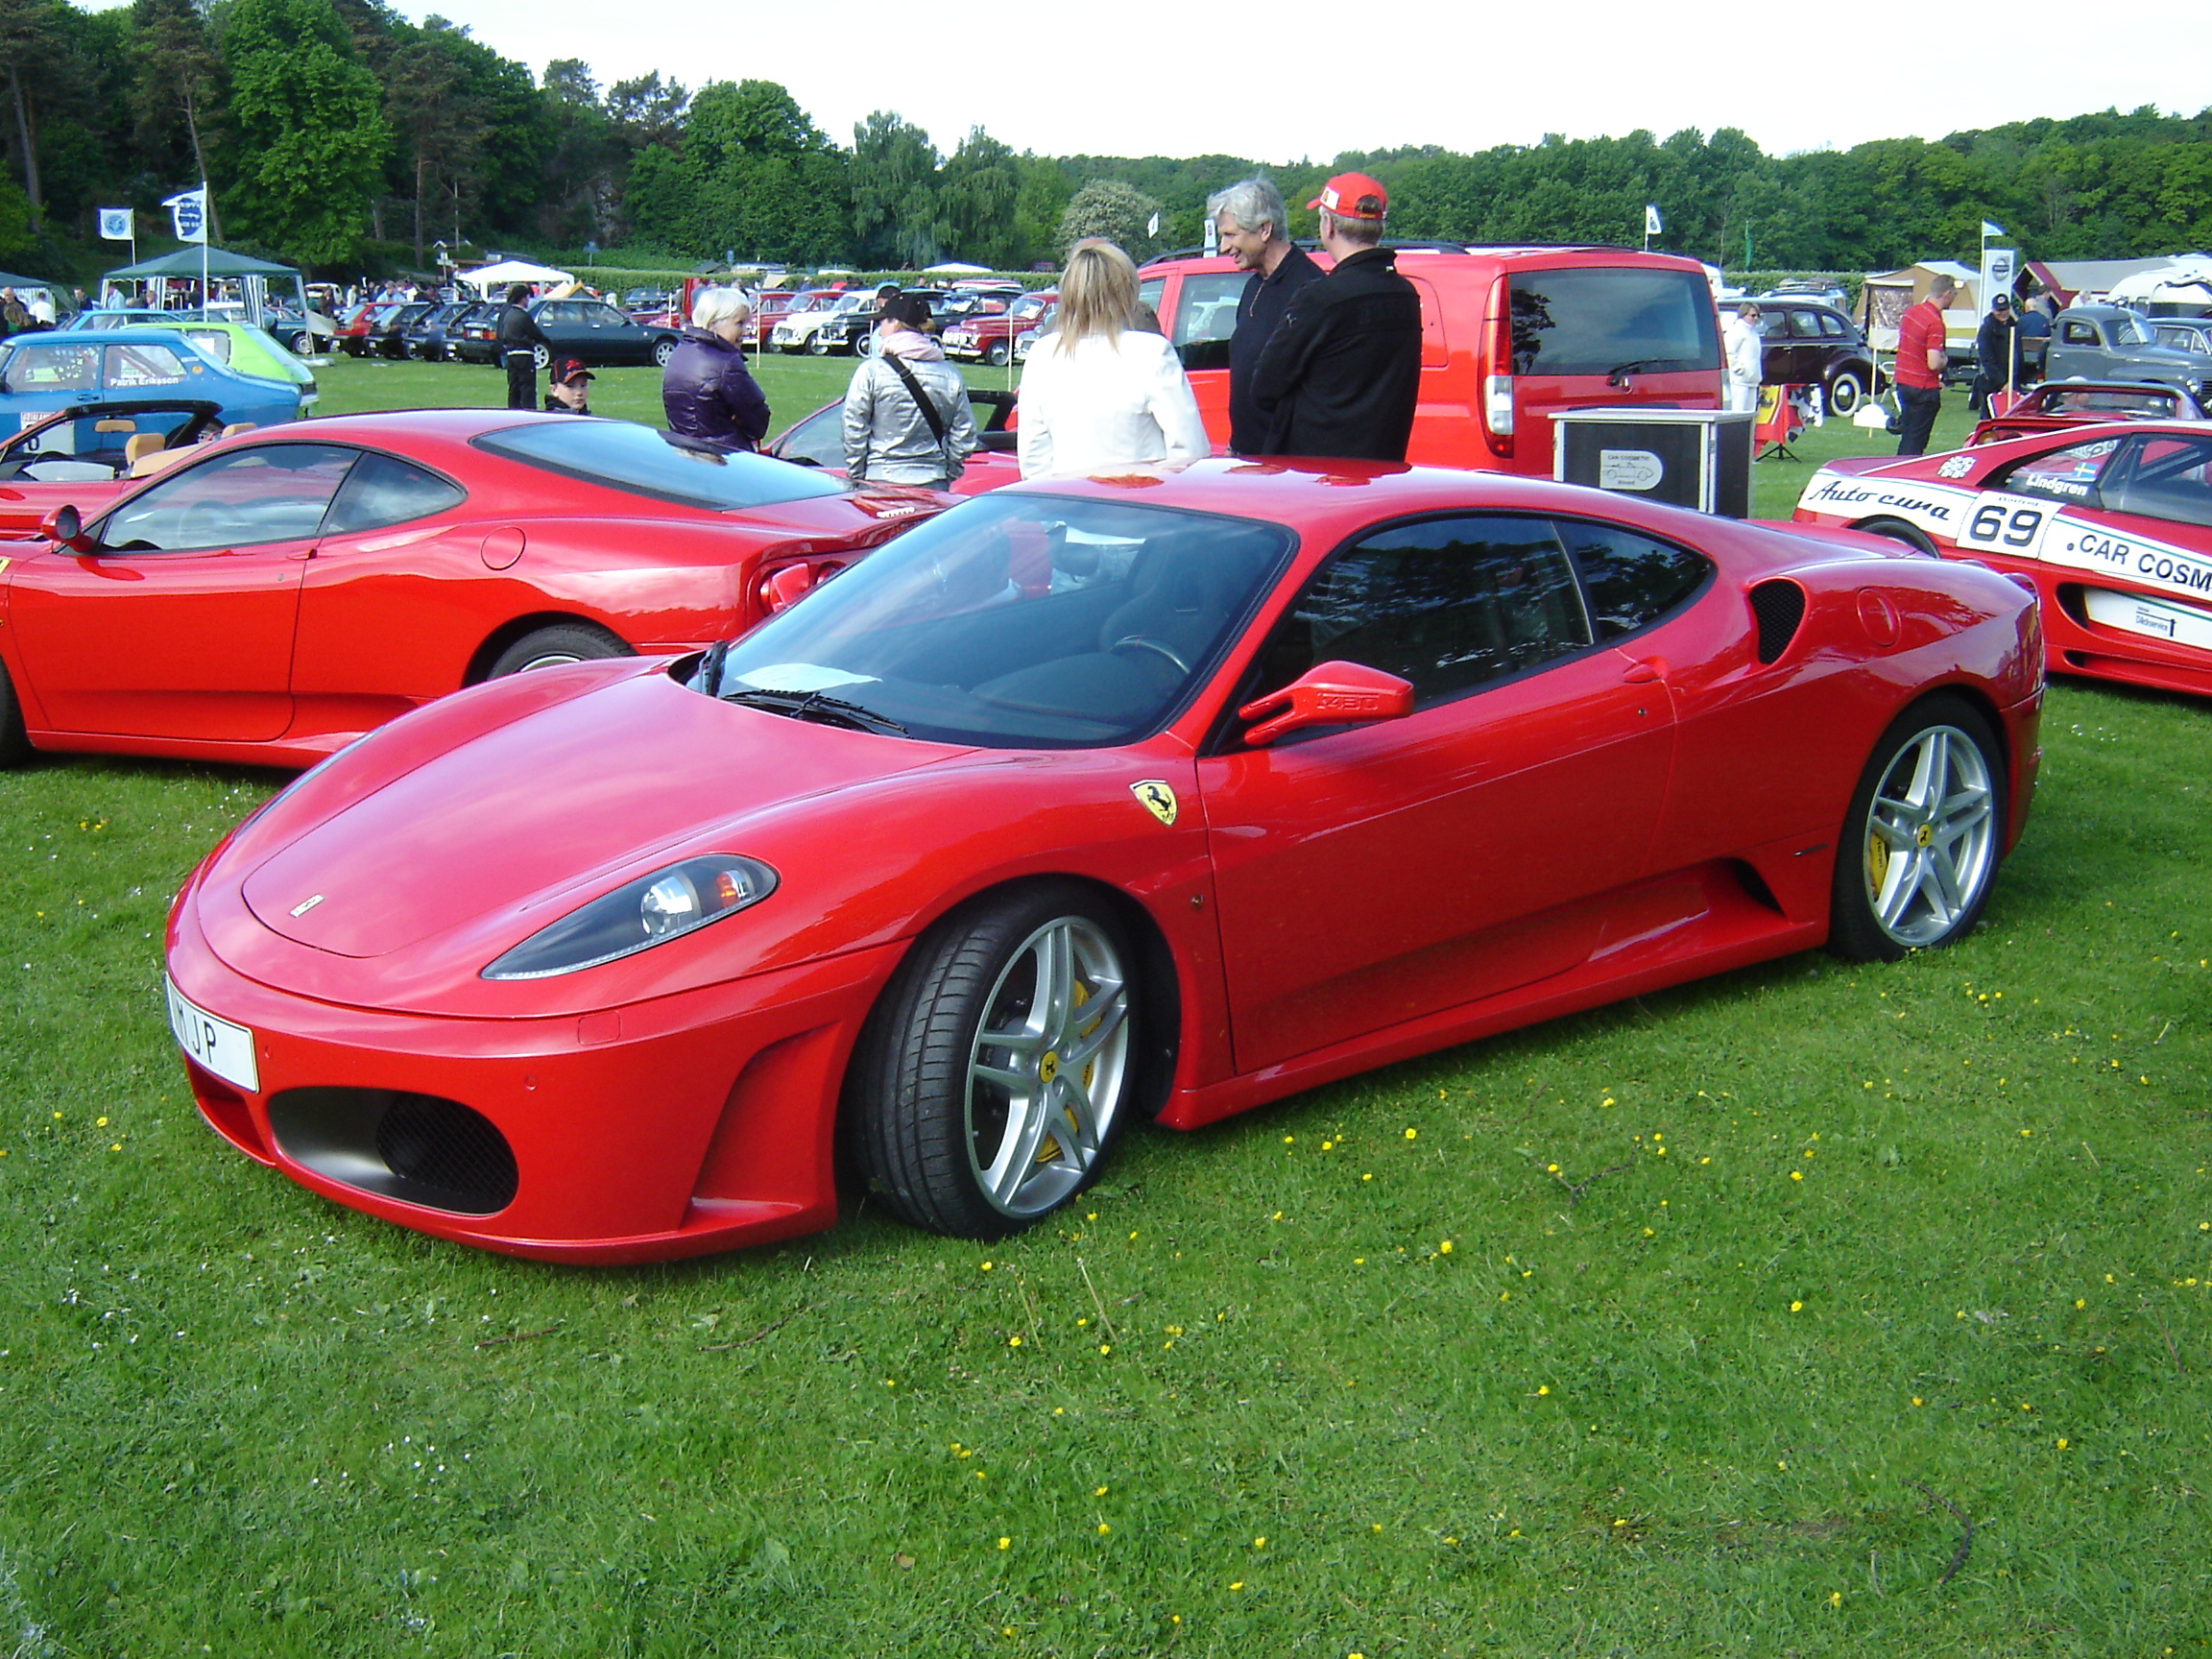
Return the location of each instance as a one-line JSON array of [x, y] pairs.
[[519, 337], [1342, 373], [1254, 230]]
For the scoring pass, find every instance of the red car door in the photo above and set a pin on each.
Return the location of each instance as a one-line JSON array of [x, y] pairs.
[[1374, 875], [179, 623]]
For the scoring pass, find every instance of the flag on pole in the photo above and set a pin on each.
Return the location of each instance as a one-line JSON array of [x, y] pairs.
[[115, 224], [1989, 230], [1651, 225], [1152, 227], [188, 214]]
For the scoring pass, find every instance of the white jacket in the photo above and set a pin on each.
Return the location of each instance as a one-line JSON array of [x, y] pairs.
[[1746, 353], [1108, 404]]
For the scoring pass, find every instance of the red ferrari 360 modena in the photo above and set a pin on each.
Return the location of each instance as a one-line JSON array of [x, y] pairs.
[[2111, 523], [1135, 797], [272, 597]]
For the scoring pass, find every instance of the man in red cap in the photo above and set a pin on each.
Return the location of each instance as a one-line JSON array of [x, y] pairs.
[[1342, 373]]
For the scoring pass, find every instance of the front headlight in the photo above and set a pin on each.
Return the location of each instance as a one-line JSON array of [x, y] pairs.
[[649, 911]]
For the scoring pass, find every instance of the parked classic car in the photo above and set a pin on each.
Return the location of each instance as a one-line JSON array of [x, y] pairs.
[[45, 372], [989, 338], [2111, 343], [2111, 524], [1085, 803], [1808, 343]]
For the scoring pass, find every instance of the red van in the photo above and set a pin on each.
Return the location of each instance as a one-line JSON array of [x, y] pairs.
[[1508, 337]]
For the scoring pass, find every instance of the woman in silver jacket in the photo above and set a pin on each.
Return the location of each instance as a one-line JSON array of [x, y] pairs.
[[888, 438]]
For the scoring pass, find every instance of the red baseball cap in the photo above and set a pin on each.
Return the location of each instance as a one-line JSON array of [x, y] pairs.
[[1348, 195]]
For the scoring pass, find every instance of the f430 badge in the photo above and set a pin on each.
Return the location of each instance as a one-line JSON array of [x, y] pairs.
[[1156, 798]]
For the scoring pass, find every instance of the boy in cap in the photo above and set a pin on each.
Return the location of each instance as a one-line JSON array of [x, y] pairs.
[[1342, 373], [570, 393]]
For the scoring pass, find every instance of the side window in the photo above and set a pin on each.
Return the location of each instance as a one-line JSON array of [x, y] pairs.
[[2165, 478], [1831, 325], [212, 341], [604, 317], [1804, 324], [1149, 292], [1207, 308], [1774, 324], [1632, 579], [1449, 604], [2068, 474], [143, 364], [270, 492], [382, 489], [2079, 334], [53, 368]]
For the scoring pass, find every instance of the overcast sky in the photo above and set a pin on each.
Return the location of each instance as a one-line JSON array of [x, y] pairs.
[[1293, 79]]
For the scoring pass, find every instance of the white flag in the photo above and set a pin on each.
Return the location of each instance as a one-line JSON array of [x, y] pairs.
[[1989, 230], [115, 224], [188, 214], [1651, 225], [1152, 228]]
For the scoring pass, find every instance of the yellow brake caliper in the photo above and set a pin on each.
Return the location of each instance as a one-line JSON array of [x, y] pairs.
[[1050, 1149]]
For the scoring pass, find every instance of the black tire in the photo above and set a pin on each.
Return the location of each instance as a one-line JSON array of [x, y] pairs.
[[14, 746], [1898, 530], [1920, 845], [554, 646], [304, 343], [663, 350], [994, 353], [864, 344], [977, 1139], [816, 345], [1845, 392]]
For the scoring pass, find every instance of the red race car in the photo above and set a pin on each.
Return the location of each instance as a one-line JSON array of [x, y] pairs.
[[276, 595], [2059, 405], [1135, 796], [2111, 523]]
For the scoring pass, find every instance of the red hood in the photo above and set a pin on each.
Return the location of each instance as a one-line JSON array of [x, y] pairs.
[[483, 828]]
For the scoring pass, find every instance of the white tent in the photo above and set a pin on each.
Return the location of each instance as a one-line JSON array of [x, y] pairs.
[[2183, 287], [954, 268], [487, 278]]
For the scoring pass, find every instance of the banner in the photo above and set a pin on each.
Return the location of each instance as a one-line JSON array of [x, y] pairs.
[[188, 214], [115, 224], [1651, 225], [1999, 266]]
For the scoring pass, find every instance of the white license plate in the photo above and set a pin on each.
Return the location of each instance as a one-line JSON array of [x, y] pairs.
[[216, 1045]]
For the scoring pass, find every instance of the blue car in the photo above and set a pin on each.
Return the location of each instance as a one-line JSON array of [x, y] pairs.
[[46, 372]]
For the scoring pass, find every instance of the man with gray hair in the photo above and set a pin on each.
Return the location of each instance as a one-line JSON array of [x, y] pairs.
[[1254, 230]]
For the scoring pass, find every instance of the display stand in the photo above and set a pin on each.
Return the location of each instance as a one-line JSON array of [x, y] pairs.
[[1779, 423]]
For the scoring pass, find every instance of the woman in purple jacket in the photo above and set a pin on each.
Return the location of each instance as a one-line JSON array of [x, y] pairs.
[[709, 395]]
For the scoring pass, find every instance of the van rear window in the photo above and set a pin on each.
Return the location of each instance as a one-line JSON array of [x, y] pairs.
[[1596, 321]]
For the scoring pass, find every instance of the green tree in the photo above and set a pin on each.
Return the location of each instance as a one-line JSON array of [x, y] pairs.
[[1109, 208], [310, 138], [981, 191], [175, 79], [897, 220]]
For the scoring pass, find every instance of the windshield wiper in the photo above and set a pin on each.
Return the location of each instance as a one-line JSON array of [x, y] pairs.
[[710, 666], [1620, 373], [817, 707]]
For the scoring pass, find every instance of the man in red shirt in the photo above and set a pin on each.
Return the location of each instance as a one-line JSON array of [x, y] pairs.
[[1920, 366]]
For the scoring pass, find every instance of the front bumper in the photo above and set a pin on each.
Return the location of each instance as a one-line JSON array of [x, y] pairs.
[[688, 1124]]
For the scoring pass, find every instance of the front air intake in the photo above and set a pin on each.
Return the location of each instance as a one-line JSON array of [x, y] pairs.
[[1778, 608], [416, 1148]]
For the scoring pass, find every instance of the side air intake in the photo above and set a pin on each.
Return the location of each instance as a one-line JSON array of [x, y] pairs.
[[1778, 608]]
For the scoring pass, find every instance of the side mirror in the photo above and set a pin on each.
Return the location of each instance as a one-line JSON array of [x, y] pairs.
[[65, 525], [1328, 695], [785, 588]]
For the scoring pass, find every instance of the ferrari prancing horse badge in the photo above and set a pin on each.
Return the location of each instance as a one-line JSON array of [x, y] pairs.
[[1156, 798]]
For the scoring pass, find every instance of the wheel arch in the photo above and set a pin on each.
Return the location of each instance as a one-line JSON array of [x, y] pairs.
[[1898, 530], [508, 632], [1160, 989]]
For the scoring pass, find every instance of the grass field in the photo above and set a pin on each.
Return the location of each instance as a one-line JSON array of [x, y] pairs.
[[1810, 1310]]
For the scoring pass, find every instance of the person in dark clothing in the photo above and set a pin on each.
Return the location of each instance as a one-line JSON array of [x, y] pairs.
[[1254, 230], [519, 337], [1342, 373], [1995, 344], [2035, 337], [709, 395], [570, 391]]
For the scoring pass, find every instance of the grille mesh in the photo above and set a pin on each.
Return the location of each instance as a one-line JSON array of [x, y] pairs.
[[1778, 608]]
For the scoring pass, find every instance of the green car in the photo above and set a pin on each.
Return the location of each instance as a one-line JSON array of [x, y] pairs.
[[241, 348]]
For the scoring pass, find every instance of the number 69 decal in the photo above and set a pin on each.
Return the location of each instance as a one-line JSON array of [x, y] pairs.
[[2001, 523]]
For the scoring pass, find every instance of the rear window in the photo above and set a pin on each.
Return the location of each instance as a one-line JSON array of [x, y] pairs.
[[1595, 320], [641, 461]]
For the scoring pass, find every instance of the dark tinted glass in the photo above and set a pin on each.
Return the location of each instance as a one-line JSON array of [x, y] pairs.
[[1446, 604], [383, 490], [1594, 321], [1022, 621], [268, 493], [2166, 477], [640, 460], [1632, 579]]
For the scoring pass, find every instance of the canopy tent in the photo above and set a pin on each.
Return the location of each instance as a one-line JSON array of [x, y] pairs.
[[185, 263], [486, 278], [2181, 289], [954, 268]]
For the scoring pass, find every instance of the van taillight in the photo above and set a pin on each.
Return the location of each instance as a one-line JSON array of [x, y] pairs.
[[1498, 376]]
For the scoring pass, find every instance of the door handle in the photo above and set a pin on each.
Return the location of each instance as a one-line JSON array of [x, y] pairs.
[[1643, 671]]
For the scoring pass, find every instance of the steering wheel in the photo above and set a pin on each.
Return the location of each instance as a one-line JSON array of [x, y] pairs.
[[1136, 642]]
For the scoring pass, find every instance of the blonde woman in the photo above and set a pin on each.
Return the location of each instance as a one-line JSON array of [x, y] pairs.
[[1100, 394]]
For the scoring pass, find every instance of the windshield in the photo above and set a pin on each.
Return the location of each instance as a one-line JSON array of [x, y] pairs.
[[1016, 622], [643, 461]]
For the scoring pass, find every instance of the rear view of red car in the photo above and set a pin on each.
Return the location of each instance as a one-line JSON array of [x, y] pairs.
[[1509, 336]]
